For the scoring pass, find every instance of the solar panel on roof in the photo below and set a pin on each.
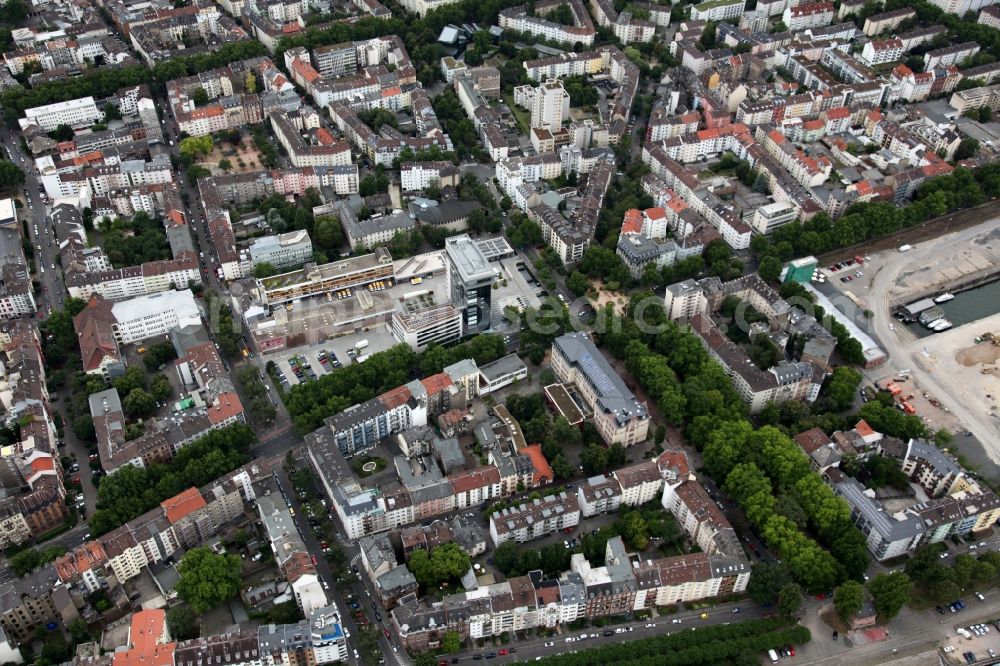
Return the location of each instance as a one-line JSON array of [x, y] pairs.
[[596, 374]]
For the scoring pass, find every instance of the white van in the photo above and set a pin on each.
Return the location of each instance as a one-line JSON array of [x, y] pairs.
[[773, 655]]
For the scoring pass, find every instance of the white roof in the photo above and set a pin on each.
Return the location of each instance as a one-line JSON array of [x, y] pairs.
[[182, 302]]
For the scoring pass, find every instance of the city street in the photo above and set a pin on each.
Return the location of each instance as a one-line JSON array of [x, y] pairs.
[[46, 250], [334, 589]]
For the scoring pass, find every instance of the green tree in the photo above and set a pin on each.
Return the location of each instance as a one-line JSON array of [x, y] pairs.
[[79, 631], [160, 388], [577, 283], [890, 592], [207, 579], [199, 96], [139, 403], [767, 581], [328, 232], [966, 149], [183, 623], [634, 530], [848, 599], [770, 268], [789, 600], [264, 270], [193, 147], [11, 175], [451, 642], [225, 164], [442, 563], [62, 133], [594, 459]]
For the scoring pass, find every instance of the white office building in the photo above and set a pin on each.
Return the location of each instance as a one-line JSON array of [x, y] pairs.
[[80, 112], [155, 314], [284, 251]]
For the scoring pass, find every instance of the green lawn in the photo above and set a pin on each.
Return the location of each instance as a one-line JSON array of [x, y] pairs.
[[522, 116]]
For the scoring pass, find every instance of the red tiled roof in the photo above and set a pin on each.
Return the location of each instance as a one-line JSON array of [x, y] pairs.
[[542, 469], [397, 397], [145, 648], [226, 406], [436, 383], [182, 504], [633, 221]]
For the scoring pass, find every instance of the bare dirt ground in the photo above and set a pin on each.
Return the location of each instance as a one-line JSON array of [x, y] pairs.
[[604, 297], [982, 354], [244, 158]]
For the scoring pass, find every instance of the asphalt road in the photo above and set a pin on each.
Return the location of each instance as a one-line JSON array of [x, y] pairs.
[[335, 590], [557, 645], [40, 234]]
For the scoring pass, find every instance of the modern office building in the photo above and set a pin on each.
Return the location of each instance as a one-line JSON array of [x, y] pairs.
[[470, 283], [283, 251], [419, 327], [313, 280]]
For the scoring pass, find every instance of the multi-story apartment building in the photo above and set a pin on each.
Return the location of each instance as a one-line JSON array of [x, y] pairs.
[[990, 16], [961, 7], [757, 388], [717, 10], [417, 176], [881, 51], [127, 283], [623, 583], [887, 21], [580, 32], [419, 327], [282, 251], [618, 416], [949, 55], [17, 298], [81, 112], [773, 216], [470, 283], [808, 15], [535, 519]]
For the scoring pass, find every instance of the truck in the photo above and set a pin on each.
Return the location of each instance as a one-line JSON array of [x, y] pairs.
[[905, 248], [361, 345]]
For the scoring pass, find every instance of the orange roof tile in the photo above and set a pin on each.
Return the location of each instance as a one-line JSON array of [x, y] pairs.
[[543, 471], [145, 648], [863, 428], [633, 221], [182, 504], [436, 383], [324, 136], [226, 406], [397, 397], [43, 464]]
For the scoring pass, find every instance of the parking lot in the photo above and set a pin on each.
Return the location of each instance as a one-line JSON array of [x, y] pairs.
[[972, 643], [379, 339]]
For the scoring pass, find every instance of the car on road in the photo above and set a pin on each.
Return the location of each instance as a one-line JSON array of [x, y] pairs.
[[673, 621], [549, 644]]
